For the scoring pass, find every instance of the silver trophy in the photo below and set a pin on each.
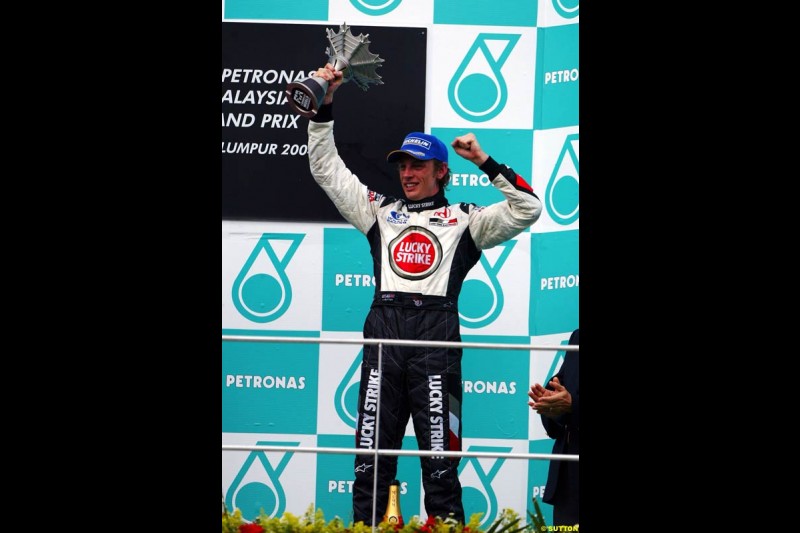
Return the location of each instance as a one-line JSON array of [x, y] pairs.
[[347, 53]]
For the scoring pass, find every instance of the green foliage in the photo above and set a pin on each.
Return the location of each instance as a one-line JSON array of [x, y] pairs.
[[232, 521], [537, 520], [507, 523], [313, 521]]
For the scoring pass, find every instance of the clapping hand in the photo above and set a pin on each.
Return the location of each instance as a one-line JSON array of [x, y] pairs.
[[550, 403]]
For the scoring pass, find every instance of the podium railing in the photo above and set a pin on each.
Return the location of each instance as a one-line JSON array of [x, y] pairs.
[[378, 451]]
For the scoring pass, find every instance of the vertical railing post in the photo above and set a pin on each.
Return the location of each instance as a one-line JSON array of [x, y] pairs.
[[377, 441]]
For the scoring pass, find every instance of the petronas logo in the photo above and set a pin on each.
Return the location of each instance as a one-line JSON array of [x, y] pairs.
[[346, 396], [261, 291], [561, 198], [477, 90], [476, 475], [375, 7], [569, 9], [484, 299], [257, 486]]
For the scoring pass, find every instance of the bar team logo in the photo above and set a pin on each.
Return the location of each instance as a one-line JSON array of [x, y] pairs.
[[261, 291]]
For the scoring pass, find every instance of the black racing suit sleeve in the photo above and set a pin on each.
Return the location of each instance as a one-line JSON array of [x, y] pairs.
[[324, 113]]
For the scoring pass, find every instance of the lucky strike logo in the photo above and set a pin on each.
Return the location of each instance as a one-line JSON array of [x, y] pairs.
[[415, 253]]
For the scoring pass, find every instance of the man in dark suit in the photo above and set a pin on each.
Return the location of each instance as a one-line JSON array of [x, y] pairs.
[[559, 406]]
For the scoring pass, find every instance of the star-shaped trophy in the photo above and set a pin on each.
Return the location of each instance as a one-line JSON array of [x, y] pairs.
[[347, 53]]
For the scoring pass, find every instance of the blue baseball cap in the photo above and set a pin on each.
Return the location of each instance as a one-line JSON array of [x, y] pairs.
[[420, 146]]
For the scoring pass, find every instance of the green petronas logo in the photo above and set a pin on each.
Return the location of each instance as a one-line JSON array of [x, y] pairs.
[[261, 291], [477, 90], [559, 357], [483, 297], [346, 396], [250, 493], [561, 196], [569, 9], [375, 7], [482, 499]]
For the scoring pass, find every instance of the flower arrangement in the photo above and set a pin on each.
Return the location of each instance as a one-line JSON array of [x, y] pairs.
[[313, 521]]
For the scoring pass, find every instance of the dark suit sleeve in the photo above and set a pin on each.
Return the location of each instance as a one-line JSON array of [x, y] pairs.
[[568, 376], [555, 426]]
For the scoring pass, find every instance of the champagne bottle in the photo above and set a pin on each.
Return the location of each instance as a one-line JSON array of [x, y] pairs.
[[393, 514]]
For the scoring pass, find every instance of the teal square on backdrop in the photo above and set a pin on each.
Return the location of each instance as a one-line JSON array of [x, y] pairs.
[[261, 381], [537, 477], [270, 9], [494, 386], [486, 12], [512, 147], [347, 280], [556, 101], [555, 280]]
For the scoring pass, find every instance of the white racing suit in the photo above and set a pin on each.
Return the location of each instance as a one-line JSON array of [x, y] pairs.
[[421, 253]]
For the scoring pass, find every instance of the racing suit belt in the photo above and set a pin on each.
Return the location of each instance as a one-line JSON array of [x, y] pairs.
[[412, 300]]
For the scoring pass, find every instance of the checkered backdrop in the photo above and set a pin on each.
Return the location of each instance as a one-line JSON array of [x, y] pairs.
[[506, 70]]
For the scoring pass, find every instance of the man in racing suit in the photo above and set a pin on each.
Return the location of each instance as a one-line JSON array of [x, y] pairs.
[[422, 248]]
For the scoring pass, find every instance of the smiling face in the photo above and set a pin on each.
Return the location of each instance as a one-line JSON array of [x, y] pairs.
[[419, 179]]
